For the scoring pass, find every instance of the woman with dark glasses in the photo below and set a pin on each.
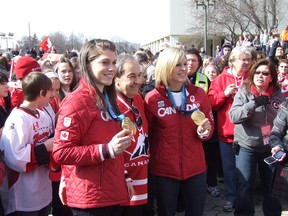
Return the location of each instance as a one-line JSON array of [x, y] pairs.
[[253, 110], [128, 82], [177, 156]]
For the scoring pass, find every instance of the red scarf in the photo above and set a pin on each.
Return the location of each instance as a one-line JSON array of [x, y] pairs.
[[268, 91]]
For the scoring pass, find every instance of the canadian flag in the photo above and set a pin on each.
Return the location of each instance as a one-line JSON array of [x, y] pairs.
[[46, 44]]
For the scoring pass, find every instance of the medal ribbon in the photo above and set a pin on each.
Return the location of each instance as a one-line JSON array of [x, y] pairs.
[[184, 102], [183, 96], [115, 117]]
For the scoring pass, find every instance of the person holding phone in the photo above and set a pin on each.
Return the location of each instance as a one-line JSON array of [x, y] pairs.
[[253, 110], [278, 139], [275, 158]]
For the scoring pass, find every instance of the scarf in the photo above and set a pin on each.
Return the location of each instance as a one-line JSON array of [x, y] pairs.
[[268, 91]]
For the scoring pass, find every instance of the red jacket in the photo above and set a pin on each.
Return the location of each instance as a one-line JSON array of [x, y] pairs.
[[17, 97], [222, 104], [80, 132], [136, 156], [176, 149]]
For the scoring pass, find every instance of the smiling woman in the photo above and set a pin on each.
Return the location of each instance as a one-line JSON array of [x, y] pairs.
[[174, 137], [221, 94], [89, 141]]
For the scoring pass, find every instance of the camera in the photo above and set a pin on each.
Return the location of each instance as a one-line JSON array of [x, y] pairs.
[[236, 147]]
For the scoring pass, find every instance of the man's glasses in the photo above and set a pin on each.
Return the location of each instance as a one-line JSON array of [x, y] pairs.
[[261, 72], [138, 118]]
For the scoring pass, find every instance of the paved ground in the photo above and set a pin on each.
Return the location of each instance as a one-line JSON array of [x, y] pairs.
[[214, 205]]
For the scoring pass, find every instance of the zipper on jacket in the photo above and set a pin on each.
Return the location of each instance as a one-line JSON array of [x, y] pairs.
[[180, 146], [101, 175]]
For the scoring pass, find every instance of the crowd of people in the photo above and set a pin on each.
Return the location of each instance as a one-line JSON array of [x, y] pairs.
[[103, 133]]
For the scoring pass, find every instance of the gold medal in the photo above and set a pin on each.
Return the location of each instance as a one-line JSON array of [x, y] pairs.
[[128, 124], [198, 117]]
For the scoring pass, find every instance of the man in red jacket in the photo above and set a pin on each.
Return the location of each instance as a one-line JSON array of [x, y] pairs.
[[128, 82]]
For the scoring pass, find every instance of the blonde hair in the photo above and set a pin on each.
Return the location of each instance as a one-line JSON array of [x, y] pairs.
[[208, 60], [166, 62]]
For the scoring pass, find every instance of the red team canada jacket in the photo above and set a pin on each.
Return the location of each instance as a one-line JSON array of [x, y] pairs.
[[93, 177], [176, 149], [136, 155]]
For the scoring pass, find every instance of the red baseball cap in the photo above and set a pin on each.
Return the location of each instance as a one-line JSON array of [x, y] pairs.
[[25, 65]]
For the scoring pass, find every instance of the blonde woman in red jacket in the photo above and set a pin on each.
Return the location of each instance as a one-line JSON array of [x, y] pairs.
[[177, 157]]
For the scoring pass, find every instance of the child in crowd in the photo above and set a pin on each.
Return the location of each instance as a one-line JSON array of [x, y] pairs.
[[58, 209], [23, 67], [26, 189]]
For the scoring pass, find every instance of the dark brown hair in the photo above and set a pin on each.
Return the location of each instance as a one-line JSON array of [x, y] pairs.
[[272, 69], [89, 52], [33, 83], [74, 81]]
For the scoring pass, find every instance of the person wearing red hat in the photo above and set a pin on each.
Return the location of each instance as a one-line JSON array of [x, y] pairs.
[[23, 67]]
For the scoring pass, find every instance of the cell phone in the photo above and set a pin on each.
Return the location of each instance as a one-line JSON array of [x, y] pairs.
[[272, 159], [236, 147], [279, 154]]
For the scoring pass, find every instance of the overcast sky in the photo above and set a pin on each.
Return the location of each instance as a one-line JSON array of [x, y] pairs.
[[132, 20]]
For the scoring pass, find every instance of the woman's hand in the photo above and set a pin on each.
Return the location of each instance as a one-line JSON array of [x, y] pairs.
[[120, 141], [230, 90], [204, 128], [62, 192], [275, 150]]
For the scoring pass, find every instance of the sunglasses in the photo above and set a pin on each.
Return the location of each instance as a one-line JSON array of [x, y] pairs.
[[261, 72], [138, 118]]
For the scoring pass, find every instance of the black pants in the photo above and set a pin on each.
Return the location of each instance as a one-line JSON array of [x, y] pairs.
[[212, 156], [58, 209], [130, 211], [104, 211]]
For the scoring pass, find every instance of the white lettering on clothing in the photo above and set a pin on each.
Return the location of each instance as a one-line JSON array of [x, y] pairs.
[[138, 163], [166, 111]]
